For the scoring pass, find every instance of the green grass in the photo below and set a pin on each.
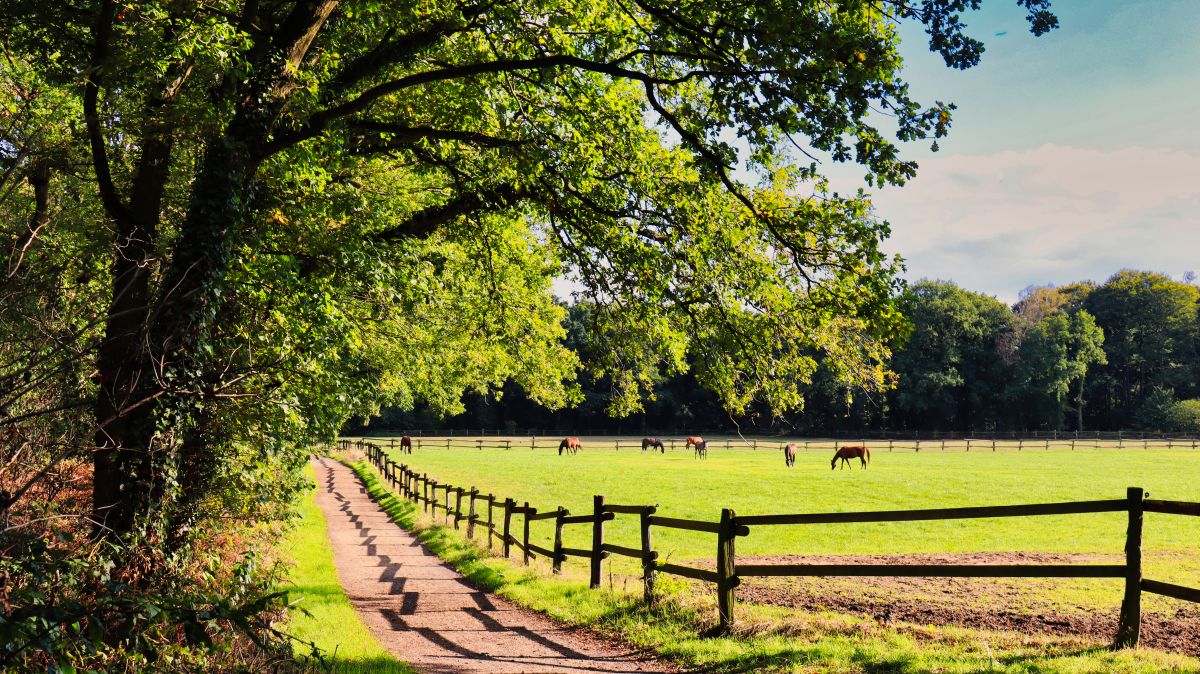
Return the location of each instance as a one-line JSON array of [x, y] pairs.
[[766, 639], [757, 483], [322, 614]]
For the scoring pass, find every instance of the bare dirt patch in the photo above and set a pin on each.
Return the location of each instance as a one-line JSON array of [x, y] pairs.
[[1004, 604]]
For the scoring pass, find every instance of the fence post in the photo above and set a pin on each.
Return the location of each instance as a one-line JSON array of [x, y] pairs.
[[597, 539], [507, 539], [448, 511], [726, 569], [556, 565], [1129, 629], [458, 494], [649, 557], [528, 511], [471, 513], [425, 491], [491, 527]]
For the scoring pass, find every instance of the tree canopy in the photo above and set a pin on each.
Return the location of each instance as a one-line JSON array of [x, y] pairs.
[[235, 224]]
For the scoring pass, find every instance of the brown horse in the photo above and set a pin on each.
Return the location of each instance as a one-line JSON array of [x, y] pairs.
[[789, 454], [859, 452], [653, 443], [692, 441], [572, 445], [406, 444], [701, 449]]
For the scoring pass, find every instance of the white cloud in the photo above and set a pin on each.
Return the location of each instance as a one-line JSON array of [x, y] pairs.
[[1052, 214]]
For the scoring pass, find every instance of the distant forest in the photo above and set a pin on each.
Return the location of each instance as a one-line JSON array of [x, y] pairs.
[[1124, 354]]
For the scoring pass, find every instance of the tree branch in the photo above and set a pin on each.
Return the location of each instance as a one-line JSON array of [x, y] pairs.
[[401, 136], [91, 92], [426, 221]]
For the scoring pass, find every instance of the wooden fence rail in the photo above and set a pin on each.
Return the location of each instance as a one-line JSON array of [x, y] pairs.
[[878, 442], [423, 490]]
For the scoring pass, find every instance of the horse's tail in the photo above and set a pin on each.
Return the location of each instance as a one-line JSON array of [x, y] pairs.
[[867, 452]]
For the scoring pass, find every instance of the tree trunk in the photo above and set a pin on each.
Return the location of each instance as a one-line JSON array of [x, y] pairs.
[[1079, 406]]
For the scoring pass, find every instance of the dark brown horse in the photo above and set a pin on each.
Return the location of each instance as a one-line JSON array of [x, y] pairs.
[[859, 452], [572, 445], [789, 454], [653, 443], [701, 449], [406, 444]]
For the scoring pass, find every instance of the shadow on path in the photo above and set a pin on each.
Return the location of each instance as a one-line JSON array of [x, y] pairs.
[[423, 611]]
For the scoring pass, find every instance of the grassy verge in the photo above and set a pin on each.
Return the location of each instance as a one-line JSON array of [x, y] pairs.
[[767, 639], [322, 613]]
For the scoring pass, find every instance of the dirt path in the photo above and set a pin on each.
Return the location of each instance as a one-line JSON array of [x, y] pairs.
[[423, 611]]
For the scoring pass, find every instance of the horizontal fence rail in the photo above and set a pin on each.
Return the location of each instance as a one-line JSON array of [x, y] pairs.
[[938, 570], [425, 491], [973, 512], [865, 434], [876, 443]]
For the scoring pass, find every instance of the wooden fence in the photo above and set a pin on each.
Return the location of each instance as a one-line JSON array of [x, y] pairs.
[[848, 435], [818, 445], [424, 490]]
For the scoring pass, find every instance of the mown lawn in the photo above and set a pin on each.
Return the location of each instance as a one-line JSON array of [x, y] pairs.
[[321, 613], [765, 639]]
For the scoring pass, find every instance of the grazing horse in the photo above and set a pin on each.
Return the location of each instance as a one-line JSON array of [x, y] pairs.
[[572, 446], [789, 454], [405, 444], [701, 449], [692, 441], [859, 452], [653, 443]]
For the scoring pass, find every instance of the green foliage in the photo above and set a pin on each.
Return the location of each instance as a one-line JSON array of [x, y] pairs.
[[1054, 356], [243, 223], [951, 363], [1162, 412], [1151, 332], [66, 612]]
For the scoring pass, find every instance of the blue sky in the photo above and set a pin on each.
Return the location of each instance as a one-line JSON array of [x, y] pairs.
[[1073, 155]]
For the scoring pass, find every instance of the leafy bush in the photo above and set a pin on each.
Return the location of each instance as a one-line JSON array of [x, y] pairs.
[[1162, 412]]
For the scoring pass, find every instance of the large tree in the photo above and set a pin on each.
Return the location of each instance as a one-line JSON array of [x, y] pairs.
[[951, 368], [313, 205], [1149, 322], [1054, 358]]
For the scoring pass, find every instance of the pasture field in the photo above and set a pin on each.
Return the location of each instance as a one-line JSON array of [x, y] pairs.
[[756, 482], [768, 637]]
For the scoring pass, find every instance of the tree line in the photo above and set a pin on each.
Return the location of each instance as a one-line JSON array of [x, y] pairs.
[[1122, 354]]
